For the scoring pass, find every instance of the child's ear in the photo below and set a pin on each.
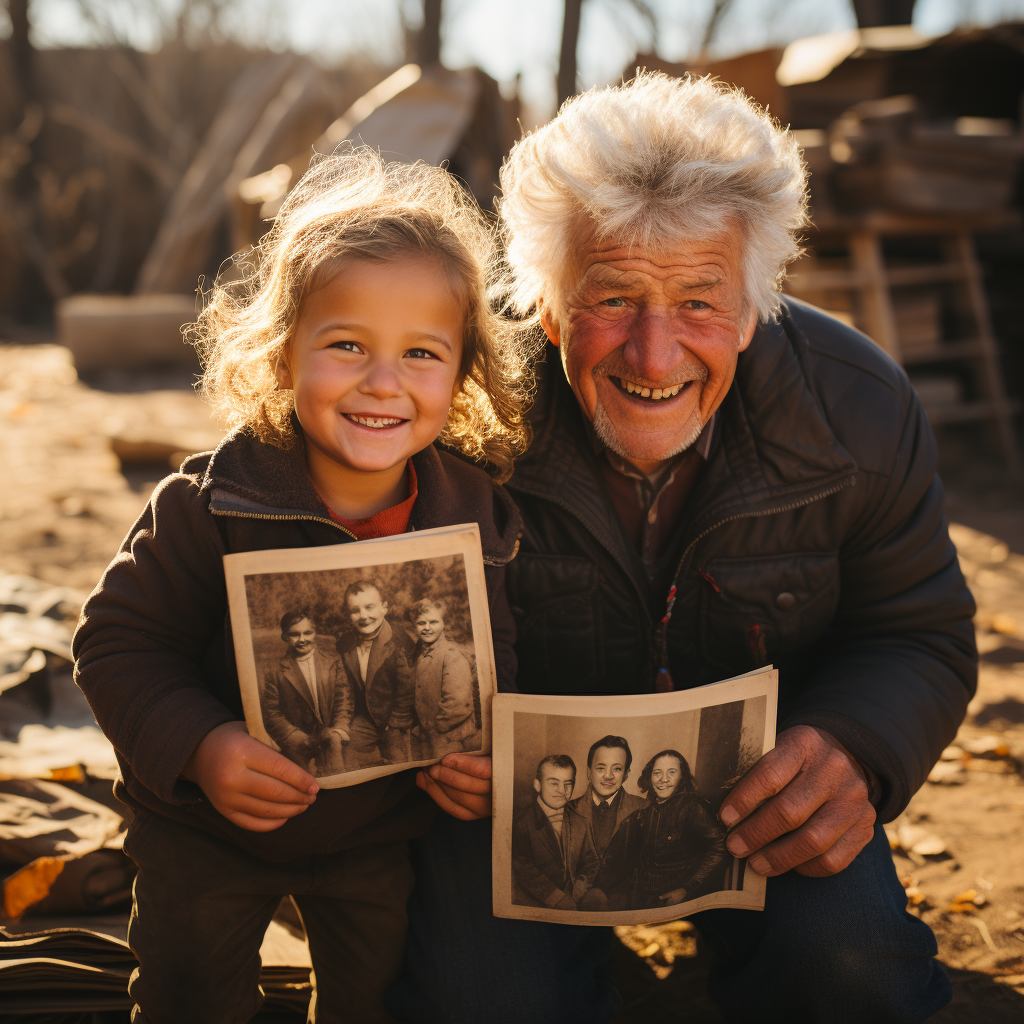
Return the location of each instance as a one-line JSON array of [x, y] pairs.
[[283, 373]]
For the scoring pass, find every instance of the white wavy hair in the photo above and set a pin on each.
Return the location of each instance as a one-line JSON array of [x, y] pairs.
[[650, 163]]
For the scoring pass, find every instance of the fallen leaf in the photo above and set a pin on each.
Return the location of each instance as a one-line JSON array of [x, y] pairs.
[[31, 884], [74, 773], [1003, 624], [952, 753]]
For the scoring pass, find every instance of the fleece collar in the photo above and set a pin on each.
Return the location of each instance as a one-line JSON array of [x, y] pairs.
[[248, 478]]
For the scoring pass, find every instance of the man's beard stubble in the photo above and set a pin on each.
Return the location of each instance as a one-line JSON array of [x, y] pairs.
[[613, 366]]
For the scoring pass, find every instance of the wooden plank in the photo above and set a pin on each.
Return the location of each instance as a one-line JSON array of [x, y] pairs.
[[879, 321]]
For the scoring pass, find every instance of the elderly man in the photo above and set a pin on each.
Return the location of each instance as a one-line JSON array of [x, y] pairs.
[[721, 479]]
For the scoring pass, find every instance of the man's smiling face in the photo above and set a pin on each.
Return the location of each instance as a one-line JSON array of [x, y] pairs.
[[650, 339]]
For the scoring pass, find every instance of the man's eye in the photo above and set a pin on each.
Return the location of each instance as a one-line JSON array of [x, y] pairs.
[[698, 304], [615, 303]]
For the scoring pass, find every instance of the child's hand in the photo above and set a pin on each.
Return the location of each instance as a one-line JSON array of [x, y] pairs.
[[253, 786], [460, 785]]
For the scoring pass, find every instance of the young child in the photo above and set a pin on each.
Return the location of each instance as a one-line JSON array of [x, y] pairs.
[[376, 658], [307, 699], [445, 708], [360, 334]]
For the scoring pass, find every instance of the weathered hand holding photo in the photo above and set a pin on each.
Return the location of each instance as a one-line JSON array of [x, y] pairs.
[[574, 843]]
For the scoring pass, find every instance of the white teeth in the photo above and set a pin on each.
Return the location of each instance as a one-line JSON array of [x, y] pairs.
[[377, 422]]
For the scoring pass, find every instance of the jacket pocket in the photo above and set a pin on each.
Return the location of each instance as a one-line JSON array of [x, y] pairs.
[[556, 604], [753, 610]]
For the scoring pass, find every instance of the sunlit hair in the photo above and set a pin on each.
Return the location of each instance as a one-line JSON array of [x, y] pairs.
[[427, 602], [648, 164], [354, 206], [685, 775]]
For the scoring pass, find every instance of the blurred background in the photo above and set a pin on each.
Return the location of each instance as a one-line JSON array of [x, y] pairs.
[[143, 142]]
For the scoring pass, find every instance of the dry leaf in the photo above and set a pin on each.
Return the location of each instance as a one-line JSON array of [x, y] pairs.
[[74, 773], [1003, 624], [30, 884]]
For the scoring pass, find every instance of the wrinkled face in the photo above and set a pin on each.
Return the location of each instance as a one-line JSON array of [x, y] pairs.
[[373, 362], [607, 771], [555, 786], [649, 340], [665, 776], [300, 637], [366, 610], [429, 624]]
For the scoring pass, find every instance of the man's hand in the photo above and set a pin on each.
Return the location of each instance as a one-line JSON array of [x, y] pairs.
[[459, 785], [673, 896], [251, 785], [804, 807]]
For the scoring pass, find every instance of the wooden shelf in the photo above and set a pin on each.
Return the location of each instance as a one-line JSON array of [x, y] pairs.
[[945, 351], [871, 280], [966, 412]]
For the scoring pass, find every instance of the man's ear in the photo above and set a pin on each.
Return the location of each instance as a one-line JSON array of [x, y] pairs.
[[384, 607], [536, 785], [547, 321], [748, 330]]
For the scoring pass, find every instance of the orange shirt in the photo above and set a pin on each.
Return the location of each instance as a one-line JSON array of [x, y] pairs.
[[388, 521]]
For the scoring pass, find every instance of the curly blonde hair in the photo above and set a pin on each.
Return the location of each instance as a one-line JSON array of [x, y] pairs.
[[354, 206]]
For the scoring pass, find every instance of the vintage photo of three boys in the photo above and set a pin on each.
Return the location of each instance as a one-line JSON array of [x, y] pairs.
[[359, 670]]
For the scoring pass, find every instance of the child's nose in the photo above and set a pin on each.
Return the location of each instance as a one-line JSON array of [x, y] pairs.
[[381, 380]]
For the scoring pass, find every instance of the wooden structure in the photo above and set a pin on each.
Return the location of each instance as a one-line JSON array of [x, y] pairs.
[[878, 287]]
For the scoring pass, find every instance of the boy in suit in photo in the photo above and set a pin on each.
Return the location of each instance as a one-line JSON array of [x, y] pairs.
[[307, 702], [554, 861], [606, 804], [445, 708], [377, 659]]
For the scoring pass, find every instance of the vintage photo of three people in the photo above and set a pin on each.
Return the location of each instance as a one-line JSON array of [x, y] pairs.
[[364, 668], [609, 817]]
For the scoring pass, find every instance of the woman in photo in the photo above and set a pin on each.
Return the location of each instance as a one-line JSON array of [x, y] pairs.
[[663, 852]]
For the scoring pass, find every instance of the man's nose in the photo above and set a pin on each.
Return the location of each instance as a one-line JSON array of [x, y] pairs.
[[654, 347]]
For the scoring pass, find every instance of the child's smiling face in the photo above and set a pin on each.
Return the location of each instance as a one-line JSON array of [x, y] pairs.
[[429, 624], [373, 362], [366, 610]]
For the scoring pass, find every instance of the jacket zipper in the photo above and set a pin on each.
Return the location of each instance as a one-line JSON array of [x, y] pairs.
[[290, 519], [663, 675]]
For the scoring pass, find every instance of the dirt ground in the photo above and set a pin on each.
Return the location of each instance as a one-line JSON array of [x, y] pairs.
[[67, 500]]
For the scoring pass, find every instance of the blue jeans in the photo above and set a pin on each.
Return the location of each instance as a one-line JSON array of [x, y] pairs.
[[838, 950]]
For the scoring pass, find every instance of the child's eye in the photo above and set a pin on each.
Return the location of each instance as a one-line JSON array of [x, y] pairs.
[[420, 353], [346, 346]]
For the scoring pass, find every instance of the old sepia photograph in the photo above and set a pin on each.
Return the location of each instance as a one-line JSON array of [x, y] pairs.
[[606, 808], [363, 659]]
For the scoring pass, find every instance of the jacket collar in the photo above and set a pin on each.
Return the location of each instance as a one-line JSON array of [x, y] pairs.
[[775, 447], [248, 478]]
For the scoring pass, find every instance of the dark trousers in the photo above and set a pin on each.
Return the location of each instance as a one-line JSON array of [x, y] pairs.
[[202, 905], [837, 950]]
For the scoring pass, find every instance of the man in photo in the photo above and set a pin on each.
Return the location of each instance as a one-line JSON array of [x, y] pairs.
[[606, 804], [377, 660], [445, 708], [307, 701], [554, 861]]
